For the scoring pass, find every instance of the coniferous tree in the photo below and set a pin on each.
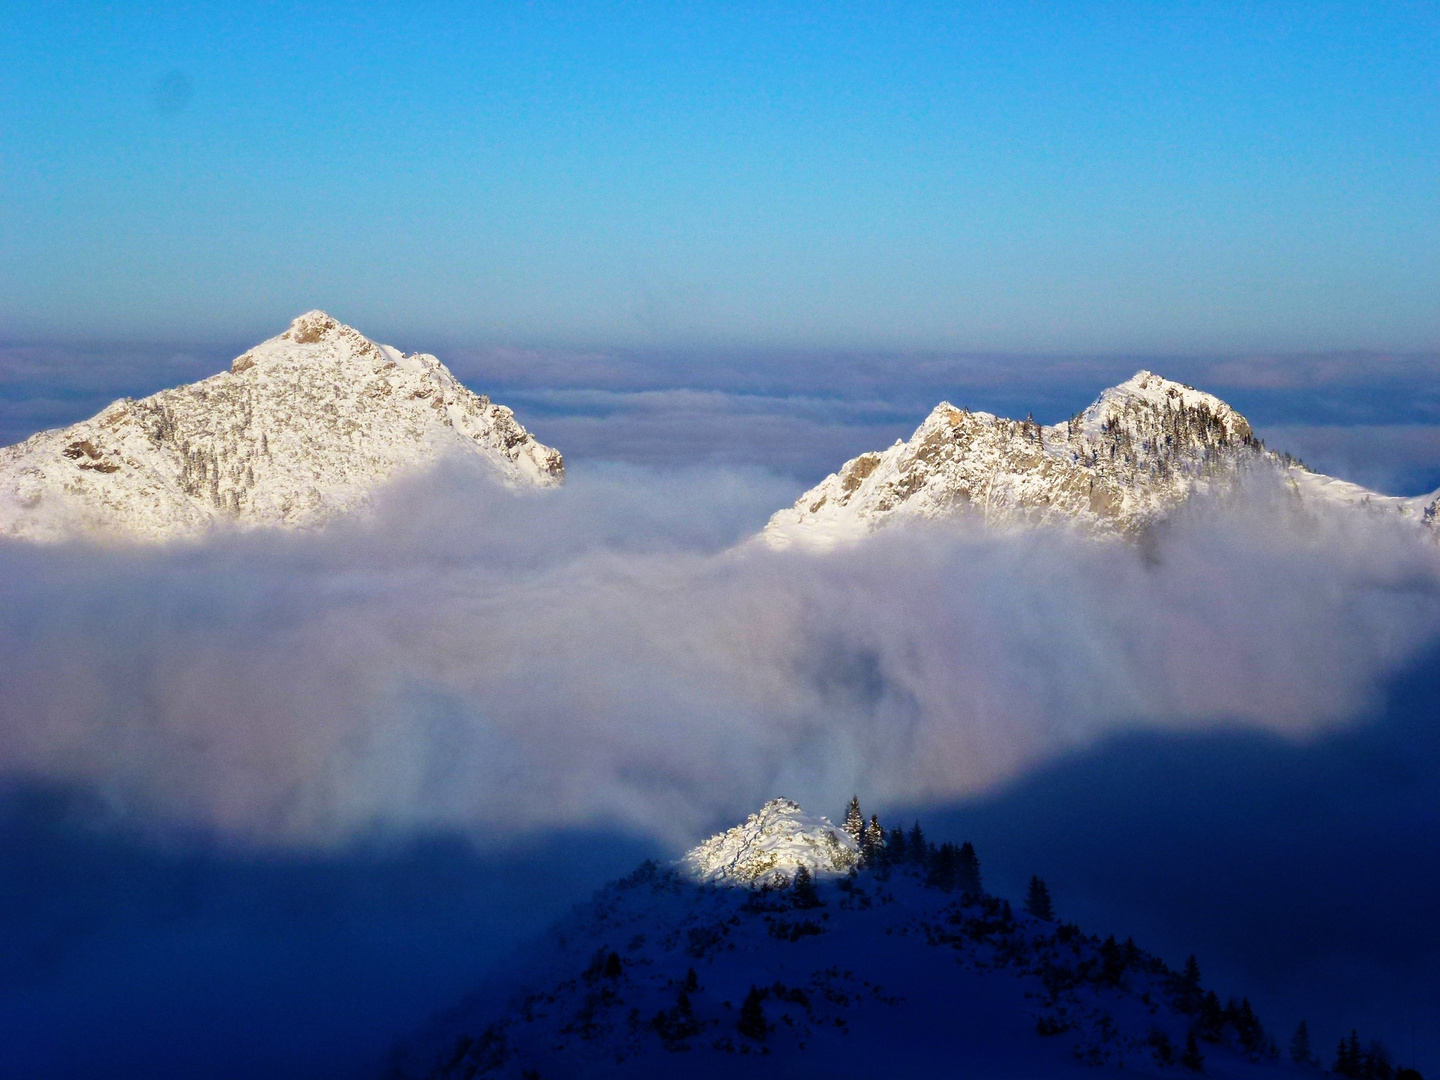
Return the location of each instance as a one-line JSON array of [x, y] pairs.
[[967, 870], [1375, 1063], [1212, 1018], [1300, 1045], [918, 847], [1192, 1059], [802, 889], [895, 846], [1037, 900], [1112, 962], [855, 821], [943, 867], [1248, 1027], [874, 838], [1133, 955], [752, 1016], [1190, 994], [1347, 1056]]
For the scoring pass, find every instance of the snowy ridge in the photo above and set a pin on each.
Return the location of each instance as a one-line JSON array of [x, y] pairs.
[[1136, 454], [770, 846], [898, 968], [302, 428]]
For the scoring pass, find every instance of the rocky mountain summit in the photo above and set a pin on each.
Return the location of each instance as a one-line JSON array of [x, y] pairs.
[[1135, 455], [302, 428], [742, 960], [771, 846]]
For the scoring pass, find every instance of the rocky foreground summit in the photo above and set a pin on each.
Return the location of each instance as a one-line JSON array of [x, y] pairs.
[[788, 947], [1139, 452], [302, 428]]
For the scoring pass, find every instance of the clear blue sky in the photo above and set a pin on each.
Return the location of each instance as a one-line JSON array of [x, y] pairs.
[[1200, 177]]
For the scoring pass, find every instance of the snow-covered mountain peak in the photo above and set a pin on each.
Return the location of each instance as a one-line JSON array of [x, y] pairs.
[[1158, 400], [1133, 456], [301, 428], [771, 845], [312, 326]]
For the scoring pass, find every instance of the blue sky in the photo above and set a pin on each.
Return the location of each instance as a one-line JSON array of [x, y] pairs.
[[1113, 178]]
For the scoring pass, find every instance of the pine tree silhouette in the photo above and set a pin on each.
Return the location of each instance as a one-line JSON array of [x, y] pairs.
[[1348, 1059], [918, 847], [1192, 1059], [874, 838], [1375, 1062], [1352, 1052], [895, 846], [1112, 962], [967, 871], [752, 1016], [1300, 1045], [1248, 1027], [1211, 1023], [855, 821], [944, 866], [802, 889], [1189, 995], [1037, 900]]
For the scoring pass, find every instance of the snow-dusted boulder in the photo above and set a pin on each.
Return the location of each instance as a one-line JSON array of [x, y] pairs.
[[771, 845]]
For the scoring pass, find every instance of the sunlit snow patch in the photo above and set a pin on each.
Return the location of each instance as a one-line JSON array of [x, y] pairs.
[[771, 846]]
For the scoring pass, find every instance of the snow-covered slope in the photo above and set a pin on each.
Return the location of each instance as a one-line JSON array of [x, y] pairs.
[[301, 428], [890, 970], [1140, 451], [771, 845]]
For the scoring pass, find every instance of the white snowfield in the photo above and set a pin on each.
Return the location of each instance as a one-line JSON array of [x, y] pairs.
[[1140, 451], [770, 846], [302, 428]]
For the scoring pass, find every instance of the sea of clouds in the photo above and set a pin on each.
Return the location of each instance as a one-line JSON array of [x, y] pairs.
[[614, 654]]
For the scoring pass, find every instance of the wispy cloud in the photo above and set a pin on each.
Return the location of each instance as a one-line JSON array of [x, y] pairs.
[[1395, 459], [602, 654]]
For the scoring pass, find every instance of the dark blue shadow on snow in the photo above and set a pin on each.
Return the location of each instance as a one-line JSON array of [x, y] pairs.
[[125, 957], [1306, 875]]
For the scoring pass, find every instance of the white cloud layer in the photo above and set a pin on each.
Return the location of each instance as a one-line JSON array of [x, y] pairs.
[[601, 654]]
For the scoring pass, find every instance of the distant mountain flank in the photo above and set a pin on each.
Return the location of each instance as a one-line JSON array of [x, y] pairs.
[[302, 428], [1135, 455], [789, 947]]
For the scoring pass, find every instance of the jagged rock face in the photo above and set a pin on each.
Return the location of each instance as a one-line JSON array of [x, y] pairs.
[[301, 428], [1141, 450], [771, 845]]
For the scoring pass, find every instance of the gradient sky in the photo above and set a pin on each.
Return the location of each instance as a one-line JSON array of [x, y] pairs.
[[1188, 177]]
